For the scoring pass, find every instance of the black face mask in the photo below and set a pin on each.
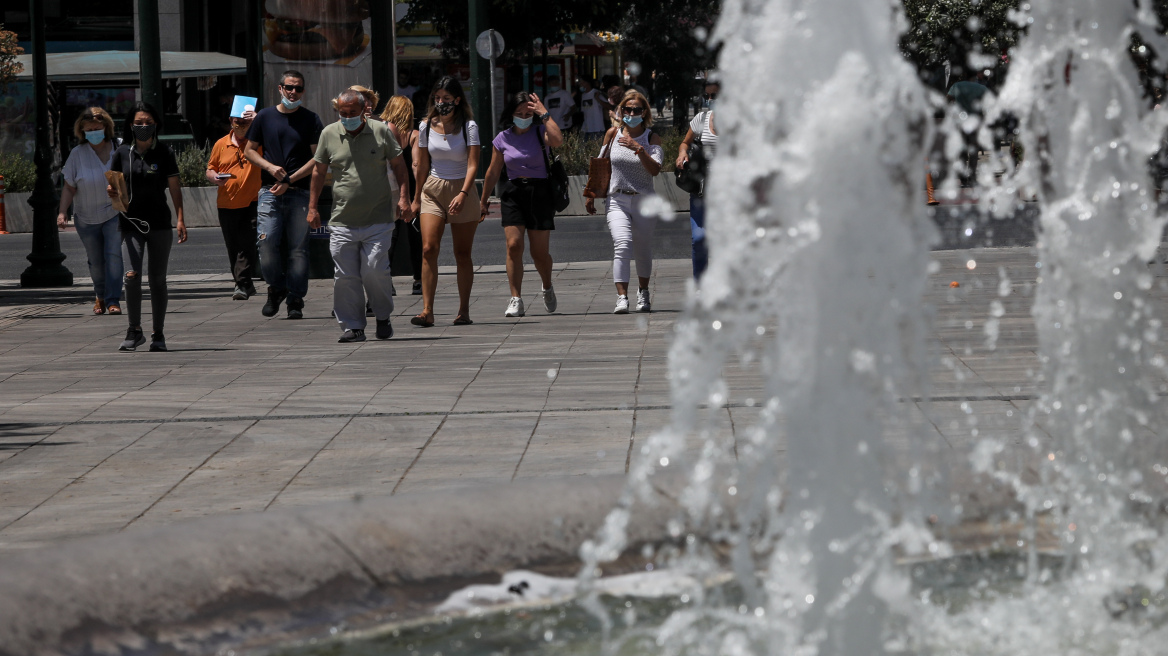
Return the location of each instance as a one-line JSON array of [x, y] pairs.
[[444, 109], [143, 132]]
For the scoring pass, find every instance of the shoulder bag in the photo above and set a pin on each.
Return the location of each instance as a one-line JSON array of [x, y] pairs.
[[692, 177], [557, 176], [600, 172]]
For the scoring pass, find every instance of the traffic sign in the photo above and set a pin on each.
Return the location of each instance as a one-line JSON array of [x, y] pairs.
[[489, 44]]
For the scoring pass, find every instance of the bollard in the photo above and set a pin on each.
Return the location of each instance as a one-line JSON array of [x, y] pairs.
[[3, 220]]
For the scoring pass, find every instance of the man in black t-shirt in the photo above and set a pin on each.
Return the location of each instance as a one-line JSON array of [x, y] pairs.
[[287, 134]]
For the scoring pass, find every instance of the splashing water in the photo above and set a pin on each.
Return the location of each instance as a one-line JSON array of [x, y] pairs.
[[816, 202]]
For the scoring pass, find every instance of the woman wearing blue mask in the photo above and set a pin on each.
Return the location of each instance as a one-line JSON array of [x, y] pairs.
[[703, 132], [636, 155], [526, 196], [93, 214]]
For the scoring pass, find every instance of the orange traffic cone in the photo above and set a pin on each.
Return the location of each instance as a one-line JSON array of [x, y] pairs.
[[3, 221]]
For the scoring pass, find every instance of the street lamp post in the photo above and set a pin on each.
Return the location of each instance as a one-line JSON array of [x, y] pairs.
[[480, 76], [150, 54], [45, 268]]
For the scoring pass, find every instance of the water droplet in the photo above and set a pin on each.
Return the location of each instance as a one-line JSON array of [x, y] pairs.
[[717, 325], [1118, 295], [664, 462], [732, 491], [760, 233], [551, 374], [809, 599], [971, 265], [548, 635]]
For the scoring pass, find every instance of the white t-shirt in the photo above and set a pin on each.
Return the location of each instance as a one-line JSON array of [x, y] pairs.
[[700, 125], [85, 171], [448, 151], [558, 104], [590, 104]]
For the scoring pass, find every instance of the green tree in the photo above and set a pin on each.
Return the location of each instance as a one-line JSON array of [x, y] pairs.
[[670, 37], [941, 31], [9, 67]]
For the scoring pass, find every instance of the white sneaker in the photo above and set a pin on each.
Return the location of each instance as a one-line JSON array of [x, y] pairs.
[[622, 305], [514, 307], [643, 304], [549, 300]]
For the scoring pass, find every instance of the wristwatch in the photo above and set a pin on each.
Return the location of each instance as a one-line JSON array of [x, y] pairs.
[[542, 118]]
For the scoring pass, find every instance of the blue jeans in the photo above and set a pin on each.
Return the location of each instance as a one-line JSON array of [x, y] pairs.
[[103, 249], [279, 218], [697, 231]]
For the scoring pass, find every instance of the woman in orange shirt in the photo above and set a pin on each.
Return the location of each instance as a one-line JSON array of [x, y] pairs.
[[239, 187]]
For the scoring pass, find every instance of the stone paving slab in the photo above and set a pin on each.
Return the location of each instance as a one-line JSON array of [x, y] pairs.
[[247, 413]]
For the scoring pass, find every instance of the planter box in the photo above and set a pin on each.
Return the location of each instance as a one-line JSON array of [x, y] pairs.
[[199, 209]]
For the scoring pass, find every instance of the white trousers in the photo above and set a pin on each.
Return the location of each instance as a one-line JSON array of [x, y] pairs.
[[632, 237], [361, 266]]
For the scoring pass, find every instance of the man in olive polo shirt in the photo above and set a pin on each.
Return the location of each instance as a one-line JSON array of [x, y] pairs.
[[362, 220]]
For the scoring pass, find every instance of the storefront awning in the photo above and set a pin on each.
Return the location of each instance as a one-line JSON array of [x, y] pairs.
[[122, 65]]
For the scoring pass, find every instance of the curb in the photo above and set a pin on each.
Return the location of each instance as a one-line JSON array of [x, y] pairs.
[[265, 579]]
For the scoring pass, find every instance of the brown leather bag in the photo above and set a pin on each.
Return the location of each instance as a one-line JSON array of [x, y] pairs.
[[600, 172]]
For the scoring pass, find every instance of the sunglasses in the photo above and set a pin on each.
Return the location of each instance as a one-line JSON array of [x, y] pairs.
[[632, 111], [709, 96], [294, 88]]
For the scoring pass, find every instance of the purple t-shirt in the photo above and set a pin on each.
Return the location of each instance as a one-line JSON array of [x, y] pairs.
[[521, 153]]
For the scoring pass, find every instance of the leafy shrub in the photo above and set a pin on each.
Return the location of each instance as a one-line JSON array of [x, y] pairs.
[[19, 173], [192, 166]]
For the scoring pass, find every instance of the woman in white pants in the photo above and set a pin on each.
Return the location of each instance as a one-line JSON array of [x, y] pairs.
[[636, 155]]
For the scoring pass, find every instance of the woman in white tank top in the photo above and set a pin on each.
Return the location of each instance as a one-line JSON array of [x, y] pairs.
[[701, 129], [636, 158]]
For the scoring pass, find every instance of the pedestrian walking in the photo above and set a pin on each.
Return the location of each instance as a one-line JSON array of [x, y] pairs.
[[93, 214], [703, 133], [525, 196], [636, 157], [595, 107], [357, 150], [239, 183], [399, 114], [559, 104], [282, 141], [448, 160], [150, 170]]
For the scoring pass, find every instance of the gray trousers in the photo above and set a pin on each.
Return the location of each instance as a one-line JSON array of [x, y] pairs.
[[361, 266]]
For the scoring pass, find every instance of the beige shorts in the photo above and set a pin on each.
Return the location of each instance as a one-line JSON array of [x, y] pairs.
[[437, 194]]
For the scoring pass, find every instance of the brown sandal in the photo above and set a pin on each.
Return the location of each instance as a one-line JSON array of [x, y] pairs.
[[98, 307], [114, 309], [462, 320], [422, 321]]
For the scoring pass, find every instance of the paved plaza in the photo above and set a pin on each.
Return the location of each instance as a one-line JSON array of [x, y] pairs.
[[246, 413]]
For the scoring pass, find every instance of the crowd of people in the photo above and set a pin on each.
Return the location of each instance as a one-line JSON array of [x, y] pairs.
[[272, 167]]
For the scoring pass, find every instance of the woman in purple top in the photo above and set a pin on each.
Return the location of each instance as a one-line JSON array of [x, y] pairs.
[[525, 194]]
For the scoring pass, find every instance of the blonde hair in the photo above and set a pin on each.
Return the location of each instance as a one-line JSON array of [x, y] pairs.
[[399, 111], [93, 114], [646, 113], [371, 96]]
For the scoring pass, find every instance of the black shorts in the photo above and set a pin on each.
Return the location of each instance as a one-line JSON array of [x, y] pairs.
[[527, 203]]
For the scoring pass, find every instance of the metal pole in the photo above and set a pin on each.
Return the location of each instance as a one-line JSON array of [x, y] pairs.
[[254, 50], [494, 100], [46, 257], [381, 42], [480, 97], [150, 54]]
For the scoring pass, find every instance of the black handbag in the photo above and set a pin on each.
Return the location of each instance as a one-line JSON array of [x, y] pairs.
[[692, 177], [557, 176]]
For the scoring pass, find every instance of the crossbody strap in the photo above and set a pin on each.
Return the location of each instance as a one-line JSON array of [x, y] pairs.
[[543, 149]]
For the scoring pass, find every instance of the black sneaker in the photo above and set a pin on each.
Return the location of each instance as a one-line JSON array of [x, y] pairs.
[[240, 294], [275, 298], [295, 308], [384, 329], [417, 288], [157, 342], [134, 339], [369, 310], [352, 336], [249, 287]]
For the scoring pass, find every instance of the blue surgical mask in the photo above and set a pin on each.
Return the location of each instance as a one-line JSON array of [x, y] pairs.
[[352, 123], [522, 123], [290, 104], [632, 121], [95, 136]]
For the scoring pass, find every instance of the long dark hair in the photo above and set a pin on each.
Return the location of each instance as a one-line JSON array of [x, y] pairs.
[[128, 131], [507, 118], [462, 111]]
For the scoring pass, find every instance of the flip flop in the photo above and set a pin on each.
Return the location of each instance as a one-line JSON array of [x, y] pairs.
[[421, 320], [462, 321]]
